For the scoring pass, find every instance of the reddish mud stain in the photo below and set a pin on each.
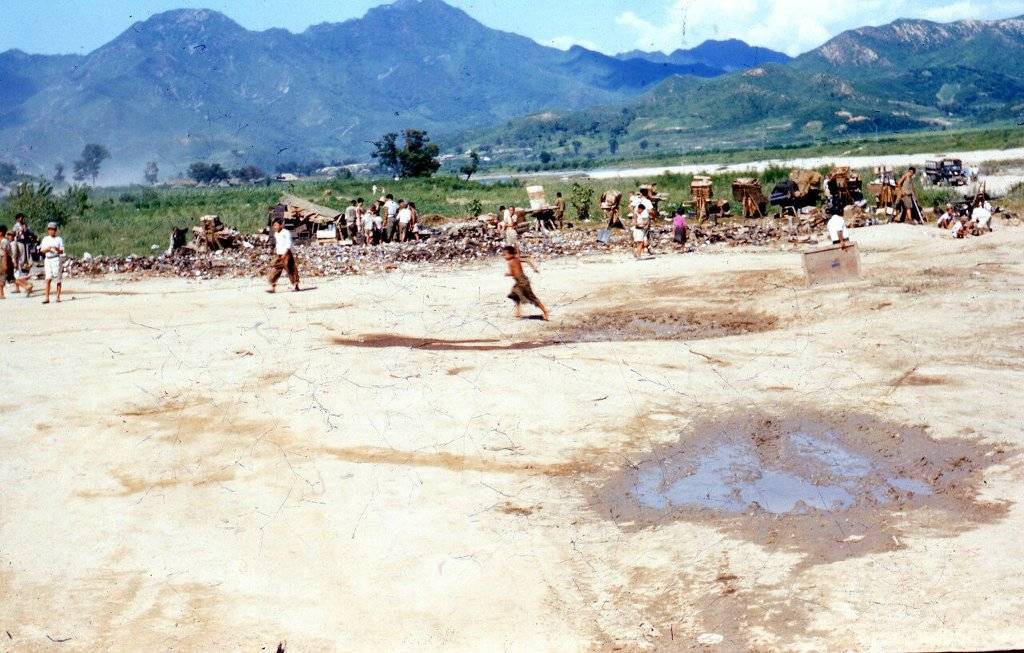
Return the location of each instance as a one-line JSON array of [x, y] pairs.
[[455, 462]]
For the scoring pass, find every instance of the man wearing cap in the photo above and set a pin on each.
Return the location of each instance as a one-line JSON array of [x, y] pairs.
[[52, 247]]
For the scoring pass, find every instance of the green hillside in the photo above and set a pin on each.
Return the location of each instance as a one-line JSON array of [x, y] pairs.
[[903, 77]]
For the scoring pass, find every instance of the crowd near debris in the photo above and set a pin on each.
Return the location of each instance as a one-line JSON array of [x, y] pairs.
[[389, 232]]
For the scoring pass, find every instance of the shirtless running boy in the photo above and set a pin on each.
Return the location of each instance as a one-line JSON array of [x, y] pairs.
[[521, 291]]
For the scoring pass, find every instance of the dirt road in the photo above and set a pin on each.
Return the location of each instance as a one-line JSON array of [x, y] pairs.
[[699, 453], [855, 161]]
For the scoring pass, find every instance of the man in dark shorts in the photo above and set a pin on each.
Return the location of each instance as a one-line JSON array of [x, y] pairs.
[[521, 291], [906, 201]]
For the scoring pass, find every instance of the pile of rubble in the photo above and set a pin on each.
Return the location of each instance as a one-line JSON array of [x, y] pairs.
[[456, 243]]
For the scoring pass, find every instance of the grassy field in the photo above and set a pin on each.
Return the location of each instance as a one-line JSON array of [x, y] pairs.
[[121, 222], [131, 221]]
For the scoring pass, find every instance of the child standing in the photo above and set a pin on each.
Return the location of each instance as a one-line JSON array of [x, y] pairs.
[[52, 247]]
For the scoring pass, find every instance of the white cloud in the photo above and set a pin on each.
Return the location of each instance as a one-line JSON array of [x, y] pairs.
[[566, 42], [791, 26]]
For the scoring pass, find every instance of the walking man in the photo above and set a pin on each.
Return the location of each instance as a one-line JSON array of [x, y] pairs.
[[52, 247], [285, 261], [641, 227], [521, 291]]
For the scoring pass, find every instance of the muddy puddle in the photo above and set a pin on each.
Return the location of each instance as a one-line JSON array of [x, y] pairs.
[[831, 487], [639, 324], [615, 325]]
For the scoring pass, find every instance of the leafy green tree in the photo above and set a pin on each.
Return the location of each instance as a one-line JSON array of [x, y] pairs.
[[248, 173], [37, 202], [613, 145], [386, 153], [581, 198], [470, 168], [545, 157], [419, 156], [644, 144], [58, 173], [76, 199], [88, 166], [152, 172], [576, 147], [207, 173]]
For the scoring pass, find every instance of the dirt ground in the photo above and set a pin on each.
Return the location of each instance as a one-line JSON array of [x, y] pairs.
[[698, 453]]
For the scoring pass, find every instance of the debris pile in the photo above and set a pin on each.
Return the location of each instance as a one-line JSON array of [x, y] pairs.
[[460, 242]]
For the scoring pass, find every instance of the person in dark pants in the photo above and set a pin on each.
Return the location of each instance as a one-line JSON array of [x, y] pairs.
[[559, 210], [285, 260]]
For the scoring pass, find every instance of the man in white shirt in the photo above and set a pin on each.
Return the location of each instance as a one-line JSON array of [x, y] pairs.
[[837, 231], [404, 218], [641, 225], [52, 247], [390, 214], [285, 261], [982, 217]]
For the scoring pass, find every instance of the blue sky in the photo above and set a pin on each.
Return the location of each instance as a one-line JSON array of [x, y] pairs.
[[793, 26]]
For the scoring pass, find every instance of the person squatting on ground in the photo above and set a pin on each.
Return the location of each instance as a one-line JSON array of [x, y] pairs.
[[52, 248], [521, 291], [285, 261], [837, 231]]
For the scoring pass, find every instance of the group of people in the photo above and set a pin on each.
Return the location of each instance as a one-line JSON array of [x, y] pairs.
[[16, 258], [284, 262], [972, 220], [386, 220]]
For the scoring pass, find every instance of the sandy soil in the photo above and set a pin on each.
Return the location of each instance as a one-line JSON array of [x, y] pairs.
[[393, 463]]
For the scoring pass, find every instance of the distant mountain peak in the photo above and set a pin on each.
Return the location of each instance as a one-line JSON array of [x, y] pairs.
[[191, 19], [725, 55]]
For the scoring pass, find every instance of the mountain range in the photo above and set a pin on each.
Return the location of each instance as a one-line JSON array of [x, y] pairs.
[[727, 56], [908, 75], [191, 85]]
